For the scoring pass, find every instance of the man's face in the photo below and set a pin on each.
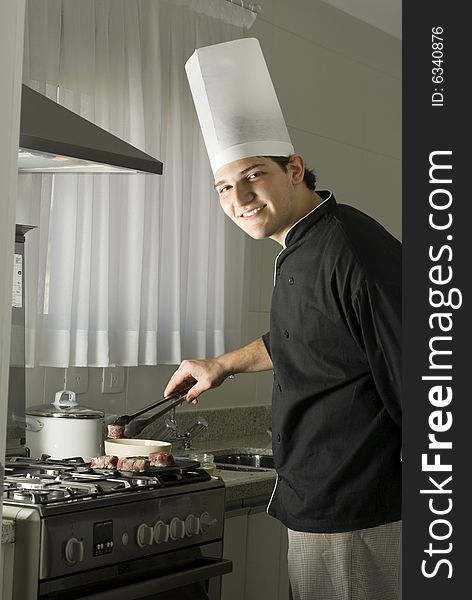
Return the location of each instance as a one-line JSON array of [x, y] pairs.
[[258, 195]]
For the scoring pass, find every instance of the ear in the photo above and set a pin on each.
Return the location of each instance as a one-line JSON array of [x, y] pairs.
[[296, 168]]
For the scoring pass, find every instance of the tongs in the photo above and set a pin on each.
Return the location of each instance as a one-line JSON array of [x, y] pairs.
[[178, 397]]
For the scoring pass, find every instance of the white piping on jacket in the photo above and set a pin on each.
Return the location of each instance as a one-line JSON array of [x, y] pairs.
[[294, 225]]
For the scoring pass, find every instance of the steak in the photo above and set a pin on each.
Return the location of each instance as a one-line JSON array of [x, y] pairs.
[[104, 462], [161, 459], [116, 432], [133, 463]]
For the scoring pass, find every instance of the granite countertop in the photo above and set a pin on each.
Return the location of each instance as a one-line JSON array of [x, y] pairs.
[[243, 488], [247, 488]]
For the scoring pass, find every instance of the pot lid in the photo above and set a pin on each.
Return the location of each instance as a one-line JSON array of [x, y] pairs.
[[65, 406]]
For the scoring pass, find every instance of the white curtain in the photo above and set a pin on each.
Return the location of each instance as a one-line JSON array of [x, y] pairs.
[[130, 269]]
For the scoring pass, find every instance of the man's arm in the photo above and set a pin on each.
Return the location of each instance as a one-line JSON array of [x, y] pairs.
[[212, 372], [378, 312]]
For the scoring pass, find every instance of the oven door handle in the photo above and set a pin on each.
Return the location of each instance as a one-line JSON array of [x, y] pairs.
[[211, 567]]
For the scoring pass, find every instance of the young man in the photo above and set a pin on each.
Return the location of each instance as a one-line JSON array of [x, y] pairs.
[[334, 347]]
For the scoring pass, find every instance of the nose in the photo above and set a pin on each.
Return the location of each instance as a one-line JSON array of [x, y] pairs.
[[242, 194]]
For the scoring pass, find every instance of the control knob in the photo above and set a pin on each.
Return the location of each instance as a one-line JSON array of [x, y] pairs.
[[177, 529], [74, 551], [161, 532], [145, 535], [192, 525], [206, 521]]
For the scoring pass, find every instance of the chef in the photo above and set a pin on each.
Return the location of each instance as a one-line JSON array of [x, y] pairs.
[[333, 344]]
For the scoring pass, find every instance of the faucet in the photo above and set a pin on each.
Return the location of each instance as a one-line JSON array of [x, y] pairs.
[[169, 430], [186, 437]]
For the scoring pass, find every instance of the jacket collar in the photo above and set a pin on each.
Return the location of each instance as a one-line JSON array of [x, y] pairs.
[[298, 229]]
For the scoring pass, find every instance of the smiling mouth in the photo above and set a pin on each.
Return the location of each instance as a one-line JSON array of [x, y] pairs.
[[251, 213]]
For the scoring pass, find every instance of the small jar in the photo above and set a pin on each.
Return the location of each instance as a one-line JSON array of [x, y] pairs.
[[206, 461]]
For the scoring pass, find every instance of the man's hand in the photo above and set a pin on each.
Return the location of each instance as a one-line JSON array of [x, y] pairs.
[[206, 374], [211, 373]]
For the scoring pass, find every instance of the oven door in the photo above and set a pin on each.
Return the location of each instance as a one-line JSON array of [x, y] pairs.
[[184, 574]]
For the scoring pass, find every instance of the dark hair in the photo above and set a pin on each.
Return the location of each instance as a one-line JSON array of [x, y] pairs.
[[309, 176]]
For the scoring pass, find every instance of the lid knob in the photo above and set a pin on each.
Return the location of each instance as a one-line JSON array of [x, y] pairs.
[[64, 398]]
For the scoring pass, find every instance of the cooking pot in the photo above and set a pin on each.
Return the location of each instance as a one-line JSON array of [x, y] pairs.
[[63, 429]]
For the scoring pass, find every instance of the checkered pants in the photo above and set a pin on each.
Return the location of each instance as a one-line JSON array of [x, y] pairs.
[[358, 565]]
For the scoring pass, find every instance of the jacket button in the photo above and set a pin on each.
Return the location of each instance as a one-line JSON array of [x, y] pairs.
[[279, 387], [291, 280], [278, 437], [286, 333]]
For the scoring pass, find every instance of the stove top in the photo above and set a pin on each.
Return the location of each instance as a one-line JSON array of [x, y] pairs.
[[70, 481]]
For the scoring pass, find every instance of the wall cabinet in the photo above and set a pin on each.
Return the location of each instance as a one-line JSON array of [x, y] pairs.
[[257, 545]]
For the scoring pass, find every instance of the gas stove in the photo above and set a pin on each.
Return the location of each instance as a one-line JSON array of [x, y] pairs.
[[77, 526], [61, 485]]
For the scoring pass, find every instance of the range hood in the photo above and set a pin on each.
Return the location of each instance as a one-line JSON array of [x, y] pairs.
[[54, 139]]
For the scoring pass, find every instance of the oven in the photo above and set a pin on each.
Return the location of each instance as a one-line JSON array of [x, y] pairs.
[[82, 534]]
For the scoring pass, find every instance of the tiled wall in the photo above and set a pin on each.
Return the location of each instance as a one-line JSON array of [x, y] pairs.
[[339, 84]]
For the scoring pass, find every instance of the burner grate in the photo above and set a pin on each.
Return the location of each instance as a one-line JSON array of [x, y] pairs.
[[36, 481]]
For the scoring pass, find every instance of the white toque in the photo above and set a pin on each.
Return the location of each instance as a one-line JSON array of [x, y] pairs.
[[236, 103]]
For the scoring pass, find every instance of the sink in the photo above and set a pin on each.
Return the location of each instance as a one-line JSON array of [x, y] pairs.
[[240, 461]]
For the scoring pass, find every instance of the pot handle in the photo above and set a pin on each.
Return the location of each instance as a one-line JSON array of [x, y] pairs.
[[33, 424]]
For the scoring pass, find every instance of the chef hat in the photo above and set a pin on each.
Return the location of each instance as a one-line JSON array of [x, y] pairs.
[[236, 103]]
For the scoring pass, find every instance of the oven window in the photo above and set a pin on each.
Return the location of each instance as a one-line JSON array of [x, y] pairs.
[[175, 576], [196, 591], [201, 590]]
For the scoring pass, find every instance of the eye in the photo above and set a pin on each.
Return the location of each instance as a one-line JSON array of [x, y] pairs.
[[254, 175], [223, 189]]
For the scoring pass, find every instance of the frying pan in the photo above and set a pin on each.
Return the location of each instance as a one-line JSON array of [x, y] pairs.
[[181, 464]]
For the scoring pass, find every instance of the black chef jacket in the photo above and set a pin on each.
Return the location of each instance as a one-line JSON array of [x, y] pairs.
[[334, 342]]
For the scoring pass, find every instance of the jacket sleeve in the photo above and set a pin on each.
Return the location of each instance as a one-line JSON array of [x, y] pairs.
[[377, 312], [266, 340]]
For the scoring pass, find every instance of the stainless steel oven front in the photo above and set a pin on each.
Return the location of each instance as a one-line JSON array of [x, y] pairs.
[[145, 543]]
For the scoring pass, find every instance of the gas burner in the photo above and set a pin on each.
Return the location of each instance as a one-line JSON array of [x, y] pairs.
[[46, 462], [143, 481], [51, 472], [28, 481], [68, 482], [30, 496], [36, 468], [40, 491], [58, 494]]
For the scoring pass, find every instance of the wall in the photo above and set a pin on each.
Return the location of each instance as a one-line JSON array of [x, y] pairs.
[[11, 52], [339, 84]]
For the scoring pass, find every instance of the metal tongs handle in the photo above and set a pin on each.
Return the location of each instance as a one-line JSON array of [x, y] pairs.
[[133, 428], [179, 396]]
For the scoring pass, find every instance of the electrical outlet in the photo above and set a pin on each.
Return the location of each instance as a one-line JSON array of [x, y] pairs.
[[113, 380], [76, 379]]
